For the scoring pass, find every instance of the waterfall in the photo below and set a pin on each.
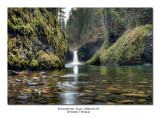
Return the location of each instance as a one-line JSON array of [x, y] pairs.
[[75, 58]]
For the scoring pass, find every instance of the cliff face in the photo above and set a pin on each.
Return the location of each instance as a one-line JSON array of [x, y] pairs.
[[97, 29], [133, 47], [35, 40]]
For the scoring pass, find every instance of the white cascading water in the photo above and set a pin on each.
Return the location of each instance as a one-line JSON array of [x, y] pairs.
[[75, 58]]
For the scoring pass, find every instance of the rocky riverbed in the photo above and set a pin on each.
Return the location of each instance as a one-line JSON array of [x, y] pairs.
[[92, 85]]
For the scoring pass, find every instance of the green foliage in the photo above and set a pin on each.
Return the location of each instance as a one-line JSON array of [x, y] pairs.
[[82, 24]]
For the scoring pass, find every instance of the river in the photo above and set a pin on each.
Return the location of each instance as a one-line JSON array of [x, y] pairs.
[[83, 84]]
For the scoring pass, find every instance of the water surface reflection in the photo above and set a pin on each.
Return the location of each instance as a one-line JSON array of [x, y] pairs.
[[83, 84]]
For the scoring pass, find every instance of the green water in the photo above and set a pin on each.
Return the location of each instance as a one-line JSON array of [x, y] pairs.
[[84, 84]]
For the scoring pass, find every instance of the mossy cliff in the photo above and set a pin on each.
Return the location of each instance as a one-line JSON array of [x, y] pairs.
[[133, 47], [35, 40], [88, 28]]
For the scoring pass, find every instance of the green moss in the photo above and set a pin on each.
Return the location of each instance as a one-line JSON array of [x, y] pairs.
[[34, 64], [128, 49], [34, 33], [48, 61]]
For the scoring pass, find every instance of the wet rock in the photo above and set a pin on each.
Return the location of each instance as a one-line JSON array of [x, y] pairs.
[[143, 82], [17, 80], [100, 98], [126, 101], [25, 77], [36, 79], [42, 73], [55, 76], [44, 92], [10, 82], [88, 91], [91, 86], [11, 72], [142, 86], [110, 103], [41, 84], [32, 84], [26, 90], [136, 95], [149, 91], [91, 94], [141, 100], [57, 92], [86, 101], [150, 80], [48, 96], [44, 77], [106, 93], [23, 98], [114, 90], [140, 92], [23, 73]]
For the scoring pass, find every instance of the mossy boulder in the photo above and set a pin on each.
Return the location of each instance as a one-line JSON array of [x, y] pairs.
[[133, 47], [46, 61], [34, 64]]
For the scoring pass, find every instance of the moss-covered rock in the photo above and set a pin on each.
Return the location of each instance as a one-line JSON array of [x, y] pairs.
[[33, 64], [32, 32], [130, 48], [46, 61]]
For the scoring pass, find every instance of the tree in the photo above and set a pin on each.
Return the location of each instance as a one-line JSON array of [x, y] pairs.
[[62, 17]]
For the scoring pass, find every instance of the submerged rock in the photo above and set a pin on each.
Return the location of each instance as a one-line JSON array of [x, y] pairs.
[[110, 103], [141, 100], [55, 76], [136, 95], [17, 80], [23, 98], [86, 101], [42, 84], [42, 73], [32, 84], [36, 79], [23, 73], [114, 90], [44, 92], [88, 91], [126, 101], [142, 86], [100, 98], [44, 77]]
